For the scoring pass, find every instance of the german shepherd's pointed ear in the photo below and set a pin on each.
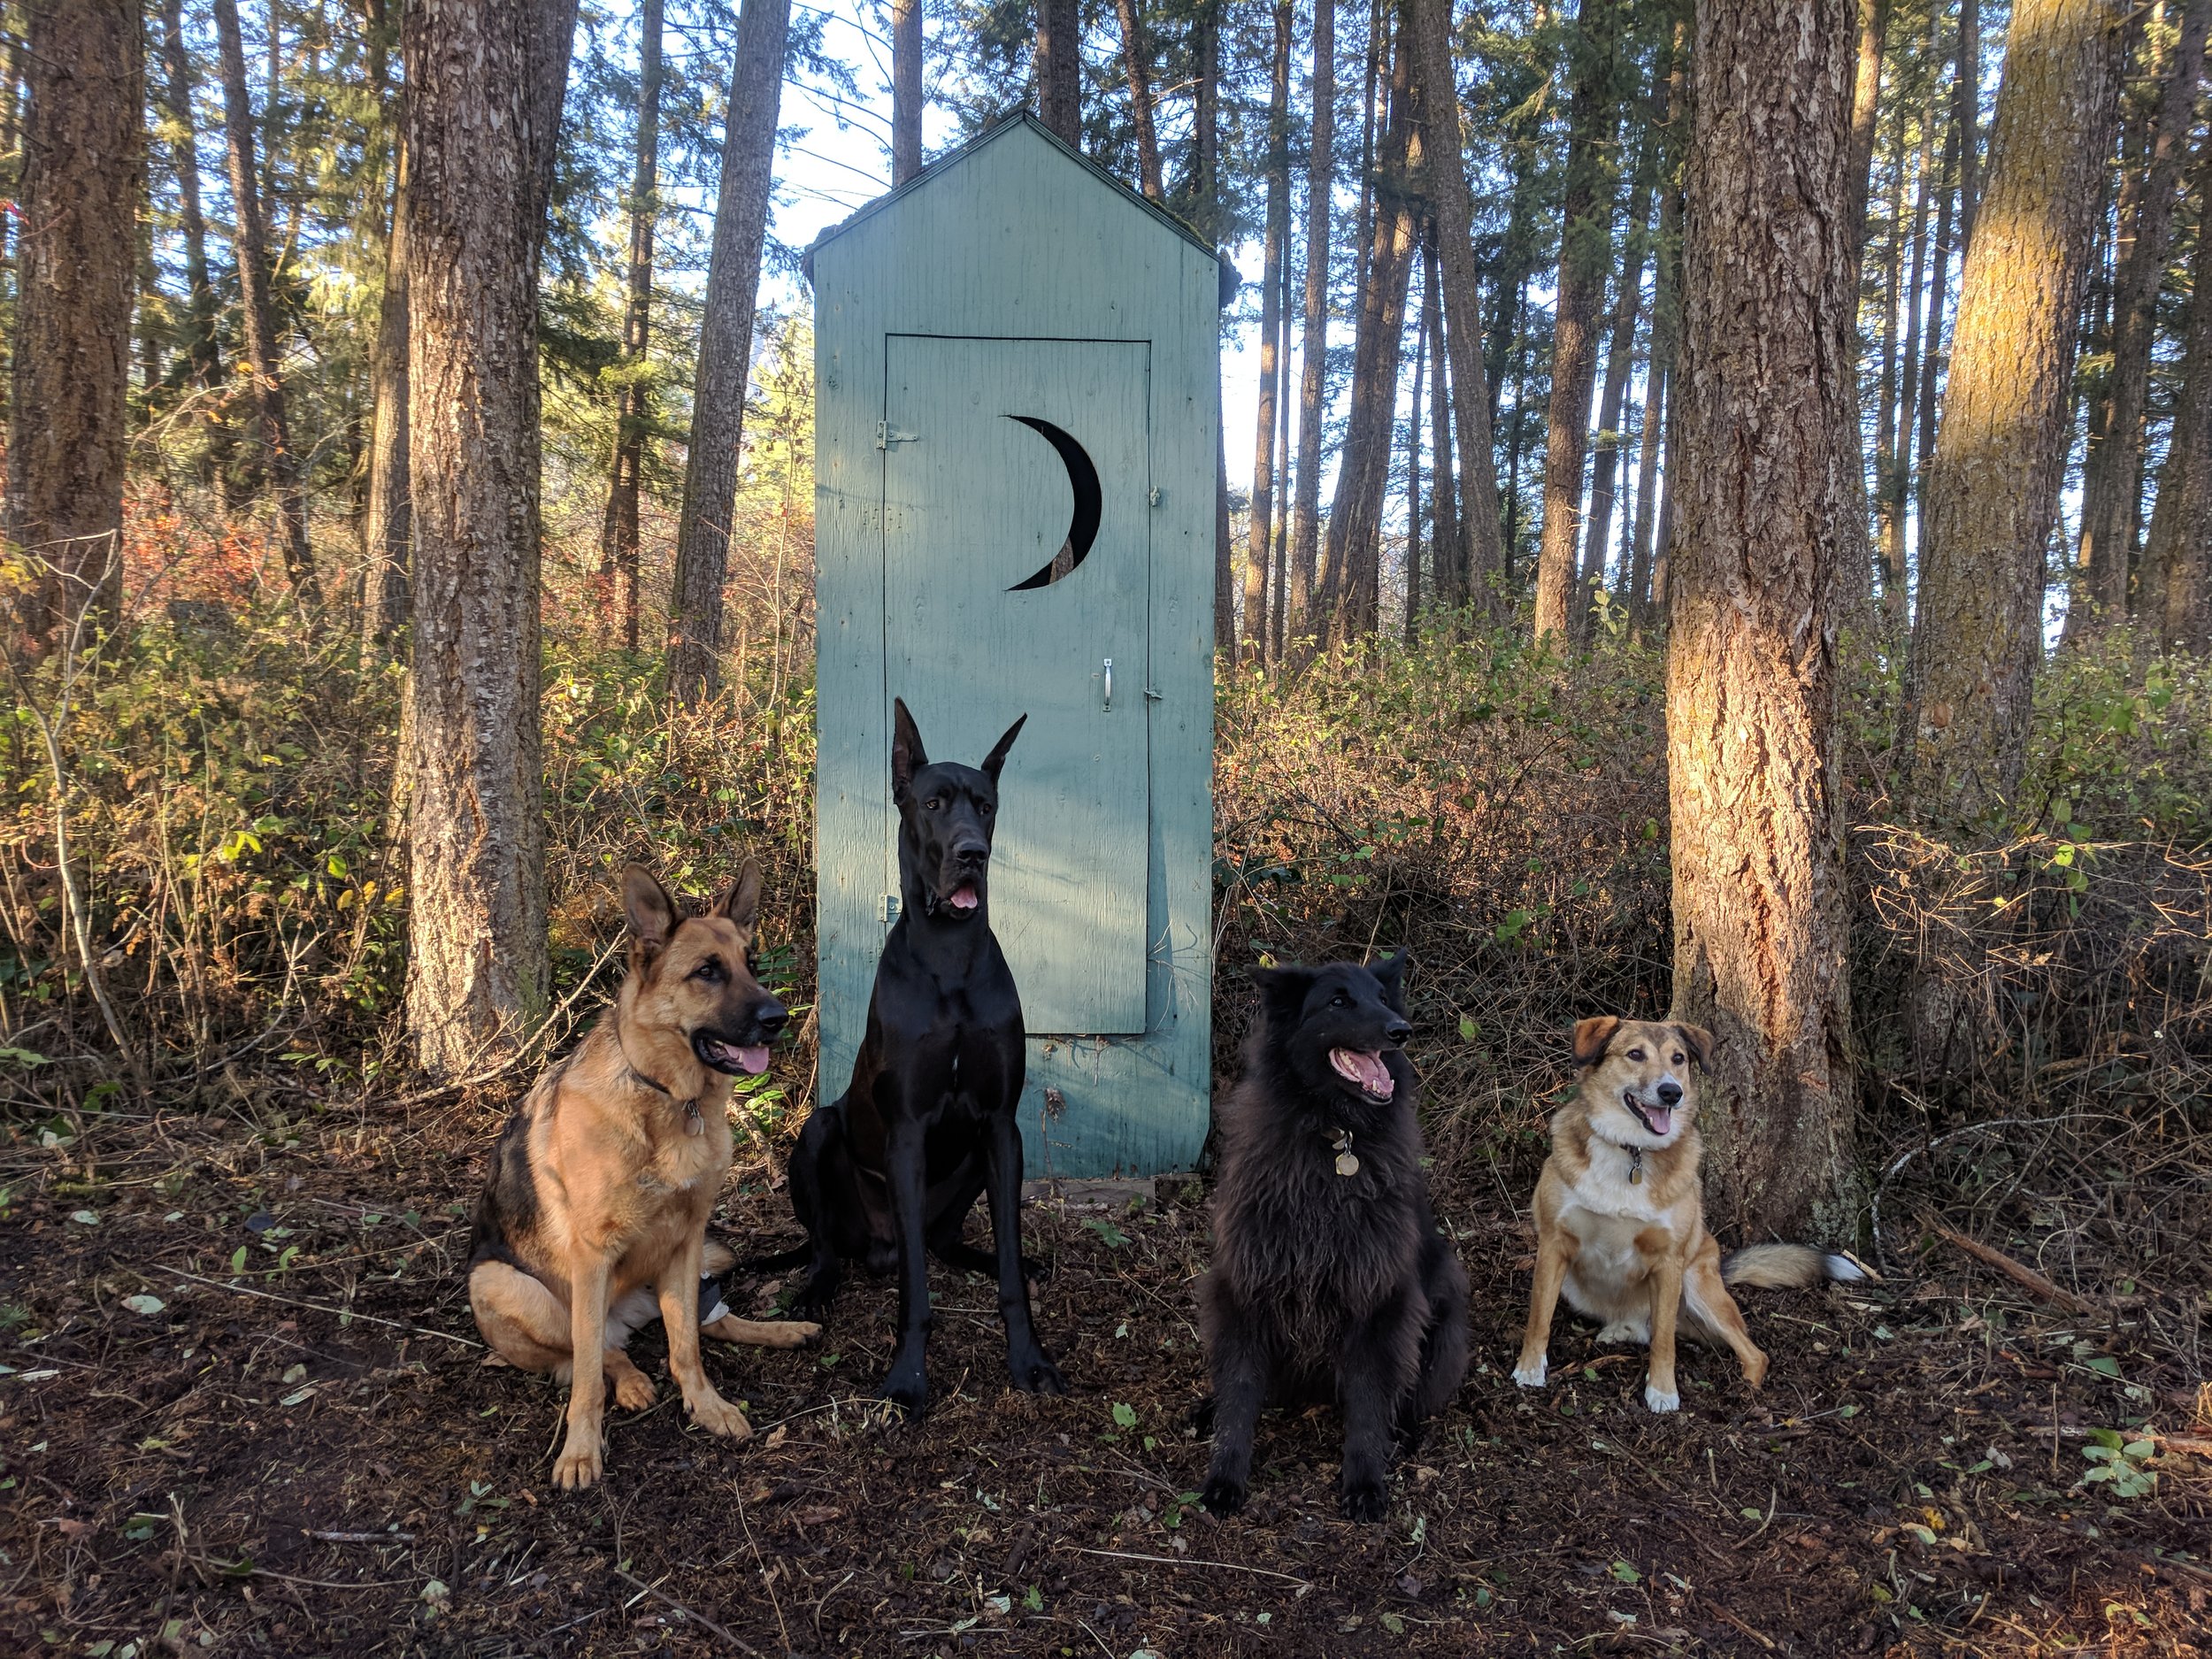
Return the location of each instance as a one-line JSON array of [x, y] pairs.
[[1591, 1035], [1700, 1042], [1391, 973], [653, 914], [740, 901], [996, 758], [907, 753], [1283, 993]]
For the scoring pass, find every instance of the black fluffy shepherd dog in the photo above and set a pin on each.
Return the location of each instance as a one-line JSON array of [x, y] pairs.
[[1330, 1279]]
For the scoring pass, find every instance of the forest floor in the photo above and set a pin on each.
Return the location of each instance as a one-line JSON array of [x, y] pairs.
[[296, 1447]]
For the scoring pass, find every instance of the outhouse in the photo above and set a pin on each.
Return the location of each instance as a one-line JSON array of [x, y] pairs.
[[1016, 401]]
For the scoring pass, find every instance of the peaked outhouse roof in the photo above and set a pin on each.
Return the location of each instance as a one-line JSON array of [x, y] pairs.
[[988, 136]]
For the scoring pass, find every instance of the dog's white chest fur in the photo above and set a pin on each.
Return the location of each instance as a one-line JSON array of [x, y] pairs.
[[1603, 1192]]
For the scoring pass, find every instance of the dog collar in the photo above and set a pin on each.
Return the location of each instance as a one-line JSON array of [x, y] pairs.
[[694, 1124], [1635, 1166], [1346, 1165]]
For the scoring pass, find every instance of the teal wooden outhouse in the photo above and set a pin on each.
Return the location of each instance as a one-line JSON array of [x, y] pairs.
[[1015, 401]]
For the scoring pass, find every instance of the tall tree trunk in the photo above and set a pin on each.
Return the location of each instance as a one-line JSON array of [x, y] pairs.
[[84, 174], [1313, 349], [618, 539], [1480, 562], [201, 350], [1888, 531], [1931, 363], [906, 89], [1364, 221], [258, 311], [1413, 480], [1970, 116], [482, 112], [726, 350], [1138, 61], [1271, 324], [388, 530], [2000, 450], [1647, 505], [1350, 598], [1445, 551], [2112, 484], [1897, 487], [1060, 68], [1584, 241], [1760, 917], [1205, 215], [2174, 569], [1866, 102], [1619, 359], [1654, 525]]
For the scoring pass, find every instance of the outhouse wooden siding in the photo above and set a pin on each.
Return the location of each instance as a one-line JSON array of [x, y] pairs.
[[1016, 238]]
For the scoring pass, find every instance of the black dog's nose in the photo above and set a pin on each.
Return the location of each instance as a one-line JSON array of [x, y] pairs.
[[1669, 1092], [772, 1018], [1397, 1031], [970, 852]]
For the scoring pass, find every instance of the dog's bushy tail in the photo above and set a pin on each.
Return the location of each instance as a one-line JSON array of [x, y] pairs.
[[1783, 1266]]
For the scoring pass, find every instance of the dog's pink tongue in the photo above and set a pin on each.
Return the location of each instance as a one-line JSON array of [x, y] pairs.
[[1661, 1119], [962, 897], [1366, 1070], [754, 1059]]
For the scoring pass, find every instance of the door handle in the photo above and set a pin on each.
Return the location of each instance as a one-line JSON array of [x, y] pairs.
[[1109, 685]]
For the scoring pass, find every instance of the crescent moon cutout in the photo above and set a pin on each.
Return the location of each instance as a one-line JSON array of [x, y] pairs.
[[1083, 528]]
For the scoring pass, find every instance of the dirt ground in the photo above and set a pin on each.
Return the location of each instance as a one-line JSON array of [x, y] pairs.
[[246, 1414]]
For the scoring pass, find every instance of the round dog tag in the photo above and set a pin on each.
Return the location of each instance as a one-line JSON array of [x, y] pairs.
[[1346, 1165]]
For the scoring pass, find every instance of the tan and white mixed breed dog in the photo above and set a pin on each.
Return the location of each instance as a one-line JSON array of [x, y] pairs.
[[594, 1217], [1620, 1220]]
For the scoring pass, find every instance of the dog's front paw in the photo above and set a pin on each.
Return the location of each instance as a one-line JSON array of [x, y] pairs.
[[633, 1390], [908, 1390], [1661, 1401], [1363, 1501], [1222, 1495], [1530, 1373], [1036, 1374], [580, 1463], [717, 1415]]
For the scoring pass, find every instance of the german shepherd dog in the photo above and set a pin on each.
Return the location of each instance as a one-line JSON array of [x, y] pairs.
[[1620, 1225], [1330, 1279], [595, 1214], [887, 1173]]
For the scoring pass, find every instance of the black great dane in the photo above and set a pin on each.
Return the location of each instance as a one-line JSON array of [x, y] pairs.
[[886, 1174]]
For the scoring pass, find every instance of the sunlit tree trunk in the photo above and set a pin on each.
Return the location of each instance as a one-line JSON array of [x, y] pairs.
[[1447, 586], [1761, 924], [257, 311], [1313, 348], [1647, 505], [1584, 242], [1060, 68], [84, 172], [1866, 102], [1620, 354], [1647, 553], [2174, 567], [618, 537], [2112, 481], [2001, 449], [726, 349], [387, 523], [1481, 557], [1259, 530], [480, 122], [906, 89]]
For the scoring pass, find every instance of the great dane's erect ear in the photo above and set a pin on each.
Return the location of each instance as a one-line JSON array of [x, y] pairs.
[[652, 913], [740, 901], [1283, 993], [907, 753], [996, 758], [1700, 1042], [1391, 971], [1591, 1035]]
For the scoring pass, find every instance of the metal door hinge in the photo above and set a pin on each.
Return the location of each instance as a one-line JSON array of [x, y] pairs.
[[886, 908], [886, 437]]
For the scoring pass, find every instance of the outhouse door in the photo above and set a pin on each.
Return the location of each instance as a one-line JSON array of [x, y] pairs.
[[1015, 580]]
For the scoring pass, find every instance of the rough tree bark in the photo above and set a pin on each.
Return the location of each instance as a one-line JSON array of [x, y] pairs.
[[2175, 572], [726, 350], [84, 171], [1866, 101], [1262, 524], [482, 115], [2112, 482], [1313, 348], [618, 535], [1480, 562], [906, 89], [1769, 279], [1138, 63], [1060, 68], [2001, 449], [1584, 244]]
